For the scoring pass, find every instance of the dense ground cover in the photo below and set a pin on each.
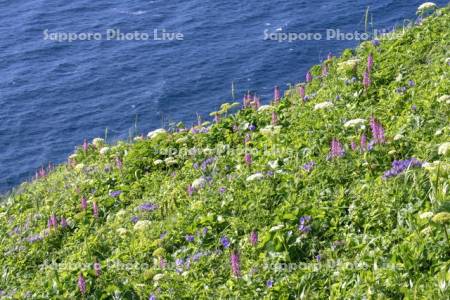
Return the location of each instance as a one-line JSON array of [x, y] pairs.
[[338, 189]]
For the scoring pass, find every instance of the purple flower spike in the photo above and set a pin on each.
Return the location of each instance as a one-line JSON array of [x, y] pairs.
[[399, 166], [63, 222], [97, 269], [366, 80], [302, 92], [324, 70], [119, 163], [308, 166], [253, 238], [336, 149], [248, 159], [190, 190], [274, 118], [85, 145], [83, 203], [95, 209], [353, 145], [369, 63], [377, 131], [276, 94], [363, 143], [269, 283], [330, 56], [189, 238], [376, 43], [82, 284], [235, 263], [309, 77]]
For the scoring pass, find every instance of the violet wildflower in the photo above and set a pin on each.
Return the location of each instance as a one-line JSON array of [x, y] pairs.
[[225, 242], [115, 193], [162, 263], [399, 166], [304, 226], [318, 258], [251, 127], [309, 77], [222, 190], [377, 131], [330, 56], [63, 222], [34, 238], [205, 231], [95, 209], [376, 43], [336, 149], [248, 159], [411, 83], [366, 80], [54, 221], [82, 284], [163, 235], [325, 70], [148, 207], [83, 203], [85, 145], [301, 92], [274, 119], [269, 283], [247, 138], [189, 238], [97, 268], [369, 63], [119, 163], [235, 263], [363, 143], [253, 238], [414, 107], [276, 94], [134, 219], [308, 166], [152, 297], [353, 145]]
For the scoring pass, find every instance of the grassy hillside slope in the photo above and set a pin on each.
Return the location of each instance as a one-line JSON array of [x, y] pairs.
[[342, 194]]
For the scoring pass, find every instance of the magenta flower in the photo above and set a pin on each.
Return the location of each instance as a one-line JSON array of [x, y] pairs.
[[309, 77], [377, 131], [353, 145], [85, 145], [82, 284], [274, 118], [235, 264], [95, 209], [97, 268], [54, 221], [324, 70], [248, 159], [83, 203], [366, 80], [336, 149], [253, 238], [363, 143], [369, 63], [190, 190], [119, 163], [63, 222], [301, 92], [277, 94]]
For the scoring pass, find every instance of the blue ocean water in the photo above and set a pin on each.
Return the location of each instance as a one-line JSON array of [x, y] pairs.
[[54, 94]]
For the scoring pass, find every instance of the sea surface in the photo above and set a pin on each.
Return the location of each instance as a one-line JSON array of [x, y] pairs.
[[55, 93]]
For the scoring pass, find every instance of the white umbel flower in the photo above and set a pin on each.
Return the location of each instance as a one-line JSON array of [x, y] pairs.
[[142, 225], [426, 215], [254, 177], [444, 99], [158, 162], [323, 105], [354, 122], [426, 7], [199, 183], [265, 108], [444, 148], [104, 150], [98, 142]]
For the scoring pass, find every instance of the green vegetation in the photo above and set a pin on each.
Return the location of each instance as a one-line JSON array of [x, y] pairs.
[[257, 205]]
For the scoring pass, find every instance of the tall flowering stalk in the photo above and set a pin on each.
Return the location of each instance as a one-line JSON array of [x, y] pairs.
[[363, 143], [366, 80], [119, 163], [235, 263], [370, 63], [353, 145], [217, 118], [83, 203], [336, 149], [330, 56], [190, 190], [377, 131], [276, 94], [97, 269], [324, 70], [301, 92], [274, 118], [253, 238], [309, 77], [95, 209], [82, 284], [256, 102], [85, 145], [248, 159]]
